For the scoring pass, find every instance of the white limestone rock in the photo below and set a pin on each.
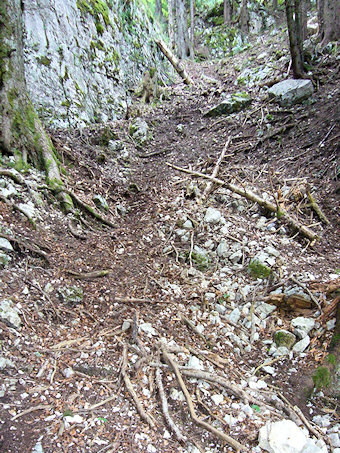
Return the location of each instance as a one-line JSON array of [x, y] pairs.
[[212, 216], [291, 91], [9, 313]]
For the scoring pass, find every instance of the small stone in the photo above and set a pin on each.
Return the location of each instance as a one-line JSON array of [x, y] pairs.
[[330, 325], [264, 310], [291, 91], [5, 363], [284, 338], [223, 249], [269, 370], [305, 324], [188, 225], [235, 315], [68, 372], [221, 309], [272, 251], [195, 363], [38, 448], [176, 395], [209, 297], [236, 257], [73, 419], [147, 328], [126, 326], [334, 439], [5, 245], [302, 345], [9, 313], [217, 399], [212, 216], [28, 209]]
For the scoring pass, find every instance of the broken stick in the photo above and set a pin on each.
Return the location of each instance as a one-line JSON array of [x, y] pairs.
[[305, 231], [174, 61]]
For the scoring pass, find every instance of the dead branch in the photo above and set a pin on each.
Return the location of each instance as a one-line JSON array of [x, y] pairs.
[[192, 411], [165, 408], [305, 231], [24, 244], [132, 300], [40, 407], [146, 417], [187, 321], [315, 206], [88, 275], [215, 171], [174, 61], [75, 232]]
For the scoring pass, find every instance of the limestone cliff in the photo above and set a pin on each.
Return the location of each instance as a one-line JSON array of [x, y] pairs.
[[81, 57]]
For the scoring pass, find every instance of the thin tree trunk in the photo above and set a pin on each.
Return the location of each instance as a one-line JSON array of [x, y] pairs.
[[226, 12], [295, 38], [171, 24], [331, 21], [192, 28], [158, 10], [182, 30], [321, 6], [244, 17], [20, 127], [304, 8]]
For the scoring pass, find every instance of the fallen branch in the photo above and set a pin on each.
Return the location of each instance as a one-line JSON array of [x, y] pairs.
[[234, 443], [315, 206], [305, 231], [165, 408], [187, 321], [146, 417], [40, 407], [85, 275], [215, 171], [174, 61]]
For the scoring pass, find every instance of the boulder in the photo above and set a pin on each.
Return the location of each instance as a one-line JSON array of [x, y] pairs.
[[291, 91], [232, 104], [139, 131], [286, 437], [284, 338]]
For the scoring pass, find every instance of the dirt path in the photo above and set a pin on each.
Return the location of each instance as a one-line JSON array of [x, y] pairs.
[[67, 355]]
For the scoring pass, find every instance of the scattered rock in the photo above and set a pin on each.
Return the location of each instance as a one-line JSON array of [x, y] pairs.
[[101, 202], [284, 338], [38, 448], [139, 131], [285, 437], [195, 363], [9, 313], [5, 363], [71, 295], [264, 310], [223, 249], [235, 315], [302, 326], [217, 399], [147, 328], [291, 91], [301, 345], [212, 215], [5, 245], [29, 210], [232, 104]]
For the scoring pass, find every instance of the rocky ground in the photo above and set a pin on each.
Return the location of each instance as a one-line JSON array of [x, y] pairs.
[[200, 316]]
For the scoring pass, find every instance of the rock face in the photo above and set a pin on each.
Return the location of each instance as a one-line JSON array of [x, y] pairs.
[[292, 91], [231, 104], [81, 57]]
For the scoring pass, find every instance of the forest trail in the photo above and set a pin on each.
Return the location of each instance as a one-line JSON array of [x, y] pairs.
[[173, 275]]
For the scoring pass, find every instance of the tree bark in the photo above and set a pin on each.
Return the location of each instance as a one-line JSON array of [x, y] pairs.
[[192, 28], [20, 128], [226, 12], [244, 17], [171, 24], [329, 13], [158, 10], [182, 30], [293, 13]]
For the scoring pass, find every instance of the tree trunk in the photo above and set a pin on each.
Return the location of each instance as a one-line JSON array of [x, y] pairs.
[[293, 14], [244, 17], [330, 25], [182, 30], [226, 12], [192, 28], [304, 8], [158, 10], [20, 128], [171, 24]]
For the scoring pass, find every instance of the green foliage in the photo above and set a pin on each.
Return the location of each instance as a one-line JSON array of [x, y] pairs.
[[68, 413], [331, 359], [98, 9], [321, 377], [258, 269]]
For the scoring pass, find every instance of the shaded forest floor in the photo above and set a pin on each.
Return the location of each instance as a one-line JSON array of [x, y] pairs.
[[67, 356]]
